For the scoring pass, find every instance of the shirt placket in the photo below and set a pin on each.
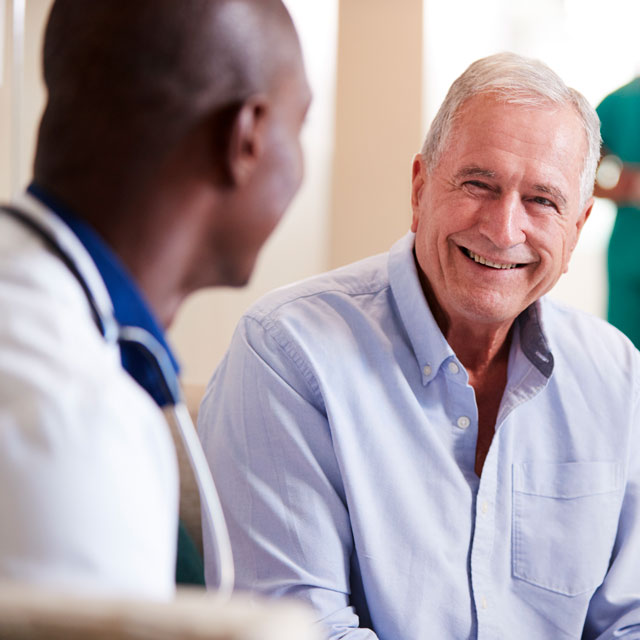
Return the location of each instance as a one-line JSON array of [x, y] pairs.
[[483, 595]]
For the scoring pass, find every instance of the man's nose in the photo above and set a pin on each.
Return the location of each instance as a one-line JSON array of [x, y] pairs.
[[502, 221]]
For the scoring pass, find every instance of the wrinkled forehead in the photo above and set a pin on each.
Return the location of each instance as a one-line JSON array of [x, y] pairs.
[[545, 143], [488, 109], [528, 124], [494, 104]]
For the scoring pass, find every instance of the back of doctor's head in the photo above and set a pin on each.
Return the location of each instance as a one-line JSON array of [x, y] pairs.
[[126, 79]]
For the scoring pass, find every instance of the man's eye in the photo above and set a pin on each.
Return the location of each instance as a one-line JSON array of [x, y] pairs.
[[545, 202], [476, 184]]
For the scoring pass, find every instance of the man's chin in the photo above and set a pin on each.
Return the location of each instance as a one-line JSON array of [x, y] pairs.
[[240, 282], [234, 269], [239, 276], [491, 310]]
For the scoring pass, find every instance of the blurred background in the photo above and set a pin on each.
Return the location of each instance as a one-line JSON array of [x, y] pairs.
[[379, 70]]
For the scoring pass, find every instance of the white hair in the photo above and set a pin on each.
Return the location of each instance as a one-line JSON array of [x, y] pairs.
[[516, 80]]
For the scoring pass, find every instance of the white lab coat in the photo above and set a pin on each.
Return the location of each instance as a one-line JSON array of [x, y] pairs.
[[88, 476]]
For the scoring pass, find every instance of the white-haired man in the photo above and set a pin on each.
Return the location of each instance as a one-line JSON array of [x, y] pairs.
[[422, 446]]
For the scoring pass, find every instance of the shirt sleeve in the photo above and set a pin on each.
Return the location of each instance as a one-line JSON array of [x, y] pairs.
[[268, 442], [614, 610]]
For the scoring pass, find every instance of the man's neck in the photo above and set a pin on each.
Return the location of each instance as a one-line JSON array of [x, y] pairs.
[[478, 347], [155, 236], [484, 352], [157, 250]]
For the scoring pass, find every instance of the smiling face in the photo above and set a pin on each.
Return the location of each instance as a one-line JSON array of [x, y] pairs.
[[497, 219]]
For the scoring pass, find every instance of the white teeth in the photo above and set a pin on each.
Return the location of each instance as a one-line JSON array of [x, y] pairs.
[[488, 263]]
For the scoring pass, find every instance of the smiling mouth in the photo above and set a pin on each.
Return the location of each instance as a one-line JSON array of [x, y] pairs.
[[488, 263]]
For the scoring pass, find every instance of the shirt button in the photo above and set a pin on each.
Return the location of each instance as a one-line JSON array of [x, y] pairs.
[[453, 367], [483, 603], [463, 422], [485, 507], [426, 370]]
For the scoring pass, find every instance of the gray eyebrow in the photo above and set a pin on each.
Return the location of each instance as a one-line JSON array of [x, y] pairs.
[[475, 171], [472, 171]]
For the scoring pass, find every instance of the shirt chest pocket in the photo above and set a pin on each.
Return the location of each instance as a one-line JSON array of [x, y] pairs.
[[564, 523]]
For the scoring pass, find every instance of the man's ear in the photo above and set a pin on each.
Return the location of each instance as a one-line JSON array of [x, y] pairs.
[[417, 184], [247, 139], [586, 212]]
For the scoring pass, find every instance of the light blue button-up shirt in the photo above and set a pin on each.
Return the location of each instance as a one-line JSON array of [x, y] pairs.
[[341, 430]]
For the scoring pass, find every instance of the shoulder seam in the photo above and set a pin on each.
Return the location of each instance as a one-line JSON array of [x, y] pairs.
[[251, 313], [268, 325]]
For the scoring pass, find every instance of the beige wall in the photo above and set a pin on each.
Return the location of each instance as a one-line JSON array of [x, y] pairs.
[[378, 125], [18, 128], [5, 104], [34, 95]]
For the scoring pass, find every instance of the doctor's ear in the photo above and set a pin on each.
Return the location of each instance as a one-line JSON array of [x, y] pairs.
[[247, 139]]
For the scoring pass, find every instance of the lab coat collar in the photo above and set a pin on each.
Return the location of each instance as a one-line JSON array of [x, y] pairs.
[[129, 305]]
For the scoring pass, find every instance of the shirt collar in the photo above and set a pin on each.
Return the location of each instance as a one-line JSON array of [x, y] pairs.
[[533, 342], [129, 305], [429, 344]]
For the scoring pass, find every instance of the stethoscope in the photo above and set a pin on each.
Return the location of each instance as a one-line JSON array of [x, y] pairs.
[[157, 356]]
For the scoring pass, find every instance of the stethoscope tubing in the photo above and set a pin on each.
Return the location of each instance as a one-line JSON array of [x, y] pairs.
[[209, 498]]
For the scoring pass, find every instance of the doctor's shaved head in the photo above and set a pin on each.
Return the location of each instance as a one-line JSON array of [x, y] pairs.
[[126, 80], [172, 127]]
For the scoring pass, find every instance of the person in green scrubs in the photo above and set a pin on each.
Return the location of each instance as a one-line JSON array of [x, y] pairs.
[[619, 179]]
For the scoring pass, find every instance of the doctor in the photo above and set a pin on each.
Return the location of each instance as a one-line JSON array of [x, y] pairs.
[[167, 153]]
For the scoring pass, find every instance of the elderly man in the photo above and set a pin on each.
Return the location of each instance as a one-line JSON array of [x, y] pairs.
[[167, 153], [420, 444]]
